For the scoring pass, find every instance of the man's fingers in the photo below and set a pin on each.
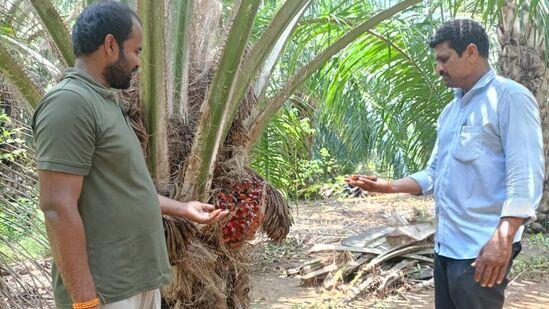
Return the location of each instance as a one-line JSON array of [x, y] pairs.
[[486, 275], [372, 177], [207, 207], [366, 179], [494, 276], [214, 213], [501, 275], [217, 215], [479, 269], [223, 214], [366, 183], [210, 217], [358, 183]]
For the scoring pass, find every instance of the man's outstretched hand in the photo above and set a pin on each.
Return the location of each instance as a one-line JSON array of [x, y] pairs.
[[193, 210], [203, 213], [369, 183]]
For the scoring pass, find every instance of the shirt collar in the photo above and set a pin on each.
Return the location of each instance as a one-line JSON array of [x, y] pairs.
[[83, 76], [481, 83]]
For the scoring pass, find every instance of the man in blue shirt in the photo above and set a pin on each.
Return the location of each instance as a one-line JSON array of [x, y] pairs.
[[486, 171]]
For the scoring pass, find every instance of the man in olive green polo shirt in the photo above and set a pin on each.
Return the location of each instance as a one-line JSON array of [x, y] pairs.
[[102, 213]]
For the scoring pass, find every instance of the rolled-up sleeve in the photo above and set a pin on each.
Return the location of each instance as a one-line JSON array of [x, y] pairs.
[[521, 136], [426, 177]]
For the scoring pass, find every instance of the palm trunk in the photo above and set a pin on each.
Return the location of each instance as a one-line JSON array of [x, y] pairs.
[[17, 75], [522, 59], [56, 28]]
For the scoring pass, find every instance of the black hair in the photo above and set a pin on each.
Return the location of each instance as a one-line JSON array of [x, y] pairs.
[[97, 21], [459, 34]]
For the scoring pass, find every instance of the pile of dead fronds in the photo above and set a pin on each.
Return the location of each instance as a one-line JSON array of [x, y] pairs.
[[377, 260]]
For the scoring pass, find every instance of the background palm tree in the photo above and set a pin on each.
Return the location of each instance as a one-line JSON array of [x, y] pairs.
[[522, 35]]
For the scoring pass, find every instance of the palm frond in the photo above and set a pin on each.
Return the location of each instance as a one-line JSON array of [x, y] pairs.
[[24, 275]]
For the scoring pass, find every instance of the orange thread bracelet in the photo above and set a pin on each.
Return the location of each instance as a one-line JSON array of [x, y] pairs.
[[86, 305]]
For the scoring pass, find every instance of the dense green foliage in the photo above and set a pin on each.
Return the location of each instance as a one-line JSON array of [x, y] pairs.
[[374, 104]]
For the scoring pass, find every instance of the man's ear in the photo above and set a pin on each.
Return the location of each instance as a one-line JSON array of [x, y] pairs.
[[471, 51], [111, 47]]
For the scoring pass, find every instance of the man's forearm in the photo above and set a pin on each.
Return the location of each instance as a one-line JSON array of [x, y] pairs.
[[405, 185], [195, 211], [170, 207], [70, 254]]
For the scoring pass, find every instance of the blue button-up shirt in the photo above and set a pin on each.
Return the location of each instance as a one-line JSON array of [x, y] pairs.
[[487, 163]]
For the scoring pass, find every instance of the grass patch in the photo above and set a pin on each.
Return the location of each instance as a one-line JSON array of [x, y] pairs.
[[532, 263], [530, 267], [278, 252], [538, 240]]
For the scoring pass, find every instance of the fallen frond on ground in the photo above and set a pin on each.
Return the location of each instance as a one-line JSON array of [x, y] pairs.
[[377, 260]]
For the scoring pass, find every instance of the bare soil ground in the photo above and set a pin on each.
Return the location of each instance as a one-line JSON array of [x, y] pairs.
[[330, 220]]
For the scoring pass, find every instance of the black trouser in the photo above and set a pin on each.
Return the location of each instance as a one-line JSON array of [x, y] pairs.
[[455, 286]]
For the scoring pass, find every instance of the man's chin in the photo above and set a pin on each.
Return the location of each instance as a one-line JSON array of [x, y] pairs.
[[121, 86], [124, 87], [448, 83]]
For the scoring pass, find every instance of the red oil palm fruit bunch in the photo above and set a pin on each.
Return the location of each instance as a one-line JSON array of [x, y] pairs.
[[244, 201]]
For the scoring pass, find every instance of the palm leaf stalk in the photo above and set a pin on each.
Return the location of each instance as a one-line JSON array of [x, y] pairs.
[[276, 35], [184, 12], [153, 91], [56, 29], [17, 75], [215, 110]]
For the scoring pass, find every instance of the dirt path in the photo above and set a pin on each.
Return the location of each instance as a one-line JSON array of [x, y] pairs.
[[328, 221], [271, 291]]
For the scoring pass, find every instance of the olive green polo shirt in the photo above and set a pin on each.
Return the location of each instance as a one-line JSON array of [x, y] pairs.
[[79, 128]]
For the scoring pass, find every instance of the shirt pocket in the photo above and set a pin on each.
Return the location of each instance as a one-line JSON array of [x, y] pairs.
[[469, 143]]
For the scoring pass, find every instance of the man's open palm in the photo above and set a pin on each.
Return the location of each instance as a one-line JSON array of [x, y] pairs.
[[204, 213], [369, 183]]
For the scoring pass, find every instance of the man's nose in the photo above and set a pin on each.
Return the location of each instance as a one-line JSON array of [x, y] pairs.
[[439, 68]]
